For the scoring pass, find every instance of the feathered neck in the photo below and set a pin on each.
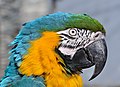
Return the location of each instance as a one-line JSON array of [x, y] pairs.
[[42, 60]]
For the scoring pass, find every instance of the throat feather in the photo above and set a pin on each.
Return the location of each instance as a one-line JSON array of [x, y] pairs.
[[42, 60]]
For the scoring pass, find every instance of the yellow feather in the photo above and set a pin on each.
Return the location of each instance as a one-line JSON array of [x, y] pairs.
[[42, 60]]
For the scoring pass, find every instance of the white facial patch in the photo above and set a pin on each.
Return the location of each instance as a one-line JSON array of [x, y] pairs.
[[73, 39], [67, 51]]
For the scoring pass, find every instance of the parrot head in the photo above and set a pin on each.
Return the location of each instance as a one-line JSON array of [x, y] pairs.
[[82, 44], [81, 49], [56, 48], [82, 40]]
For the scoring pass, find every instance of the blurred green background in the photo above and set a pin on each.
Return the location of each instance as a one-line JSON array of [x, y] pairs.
[[13, 13]]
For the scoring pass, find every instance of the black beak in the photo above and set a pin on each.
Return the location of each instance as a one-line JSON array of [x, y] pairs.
[[98, 52], [93, 54]]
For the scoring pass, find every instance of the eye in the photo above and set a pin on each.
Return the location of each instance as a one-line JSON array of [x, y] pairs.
[[72, 32]]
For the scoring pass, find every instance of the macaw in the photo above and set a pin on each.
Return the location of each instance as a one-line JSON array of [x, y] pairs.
[[52, 51]]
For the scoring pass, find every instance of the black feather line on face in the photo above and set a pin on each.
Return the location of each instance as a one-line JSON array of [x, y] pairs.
[[70, 37], [69, 46], [81, 38]]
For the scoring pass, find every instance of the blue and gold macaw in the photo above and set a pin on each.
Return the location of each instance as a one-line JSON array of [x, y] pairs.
[[51, 51]]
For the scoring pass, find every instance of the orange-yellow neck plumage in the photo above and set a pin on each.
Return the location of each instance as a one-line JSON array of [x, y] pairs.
[[42, 60]]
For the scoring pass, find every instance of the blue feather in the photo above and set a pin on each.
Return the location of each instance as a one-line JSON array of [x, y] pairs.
[[29, 82], [30, 31]]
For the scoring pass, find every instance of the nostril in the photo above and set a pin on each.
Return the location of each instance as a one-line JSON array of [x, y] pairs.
[[96, 35]]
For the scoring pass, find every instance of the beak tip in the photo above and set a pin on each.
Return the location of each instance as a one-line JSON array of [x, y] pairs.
[[92, 78]]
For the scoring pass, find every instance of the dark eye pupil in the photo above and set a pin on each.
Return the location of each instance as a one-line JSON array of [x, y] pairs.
[[73, 31]]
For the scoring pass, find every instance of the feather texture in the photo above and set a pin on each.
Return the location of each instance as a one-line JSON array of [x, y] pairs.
[[32, 31]]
